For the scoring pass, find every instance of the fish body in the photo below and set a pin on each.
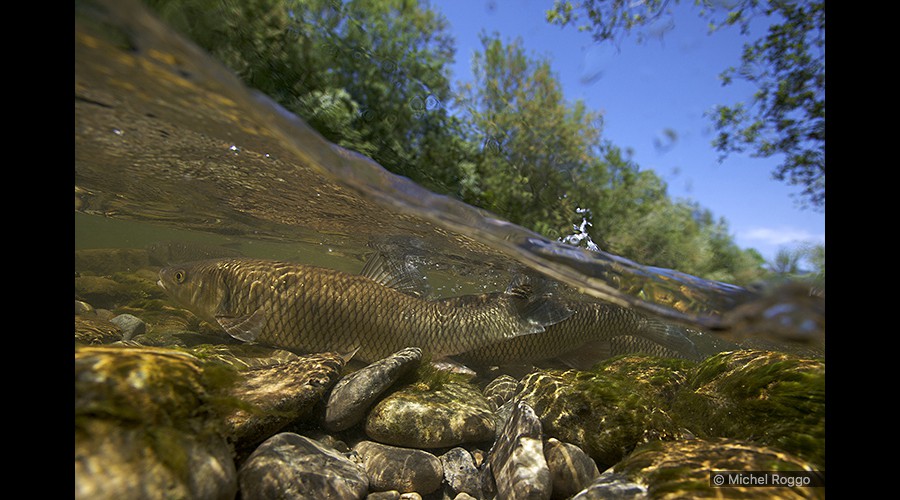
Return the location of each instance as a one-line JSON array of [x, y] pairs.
[[311, 309], [595, 331]]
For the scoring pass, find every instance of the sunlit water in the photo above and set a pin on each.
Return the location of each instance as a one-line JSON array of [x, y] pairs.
[[170, 145]]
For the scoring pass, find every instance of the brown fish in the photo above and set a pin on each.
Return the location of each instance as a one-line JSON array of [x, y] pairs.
[[312, 309]]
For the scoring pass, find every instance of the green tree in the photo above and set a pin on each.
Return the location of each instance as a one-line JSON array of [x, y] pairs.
[[369, 75], [786, 115], [534, 147]]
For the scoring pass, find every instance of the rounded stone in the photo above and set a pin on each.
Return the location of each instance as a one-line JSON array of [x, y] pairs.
[[130, 325], [402, 469], [571, 470], [452, 415], [288, 465]]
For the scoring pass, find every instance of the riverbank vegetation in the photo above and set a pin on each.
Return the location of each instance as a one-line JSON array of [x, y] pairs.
[[373, 76]]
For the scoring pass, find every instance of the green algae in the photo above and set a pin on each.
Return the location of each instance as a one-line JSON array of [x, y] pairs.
[[151, 386], [765, 397], [611, 409], [682, 469]]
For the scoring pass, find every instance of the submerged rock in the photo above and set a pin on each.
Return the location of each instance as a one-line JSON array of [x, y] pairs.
[[130, 325], [612, 486], [354, 394], [279, 395], [116, 461], [110, 260], [288, 465], [500, 390], [148, 423], [517, 458], [571, 470], [403, 469], [95, 331], [607, 411], [460, 473], [422, 417], [766, 397], [103, 292], [681, 469]]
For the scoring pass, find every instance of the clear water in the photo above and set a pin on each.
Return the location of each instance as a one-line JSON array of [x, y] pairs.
[[170, 145]]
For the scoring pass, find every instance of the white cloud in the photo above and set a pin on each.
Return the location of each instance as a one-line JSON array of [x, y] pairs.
[[780, 236]]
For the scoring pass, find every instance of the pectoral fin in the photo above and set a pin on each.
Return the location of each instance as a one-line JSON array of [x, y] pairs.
[[535, 304], [245, 328], [672, 337]]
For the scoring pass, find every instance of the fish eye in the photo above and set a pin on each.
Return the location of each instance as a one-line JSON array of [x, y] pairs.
[[179, 276]]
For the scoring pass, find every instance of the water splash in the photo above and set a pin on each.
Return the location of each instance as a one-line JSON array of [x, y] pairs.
[[581, 237]]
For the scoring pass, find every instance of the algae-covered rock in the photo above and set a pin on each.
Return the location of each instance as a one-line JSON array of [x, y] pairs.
[[770, 398], [611, 409], [279, 395], [149, 422], [425, 417], [148, 385], [95, 331], [103, 292], [682, 469]]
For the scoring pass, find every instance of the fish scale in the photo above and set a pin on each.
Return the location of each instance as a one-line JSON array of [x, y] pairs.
[[311, 309], [596, 330]]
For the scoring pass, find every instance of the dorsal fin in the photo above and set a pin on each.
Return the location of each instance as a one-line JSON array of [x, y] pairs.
[[403, 277]]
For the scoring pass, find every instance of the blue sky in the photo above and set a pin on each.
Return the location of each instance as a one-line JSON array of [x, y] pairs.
[[646, 89]]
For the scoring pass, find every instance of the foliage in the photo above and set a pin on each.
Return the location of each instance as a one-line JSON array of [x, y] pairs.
[[372, 76], [788, 264], [542, 159], [534, 146], [786, 116]]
